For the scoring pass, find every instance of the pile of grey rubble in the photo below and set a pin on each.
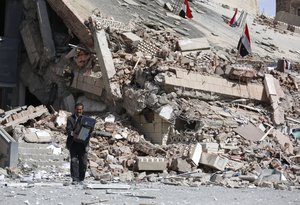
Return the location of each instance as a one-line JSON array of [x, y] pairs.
[[221, 120]]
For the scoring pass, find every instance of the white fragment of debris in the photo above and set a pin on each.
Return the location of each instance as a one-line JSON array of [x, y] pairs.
[[117, 136], [27, 202], [110, 118], [61, 119], [55, 150]]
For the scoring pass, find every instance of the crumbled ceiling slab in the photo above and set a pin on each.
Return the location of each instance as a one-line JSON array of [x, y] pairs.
[[216, 85]]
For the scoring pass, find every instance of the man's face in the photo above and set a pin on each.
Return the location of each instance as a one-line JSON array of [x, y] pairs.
[[79, 110]]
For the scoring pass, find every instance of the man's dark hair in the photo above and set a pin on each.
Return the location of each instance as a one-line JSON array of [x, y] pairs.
[[79, 104]]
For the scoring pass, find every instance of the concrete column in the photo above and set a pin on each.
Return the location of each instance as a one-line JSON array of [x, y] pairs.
[[106, 64], [49, 47]]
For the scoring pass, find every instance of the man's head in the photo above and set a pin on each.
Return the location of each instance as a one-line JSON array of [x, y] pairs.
[[79, 109]]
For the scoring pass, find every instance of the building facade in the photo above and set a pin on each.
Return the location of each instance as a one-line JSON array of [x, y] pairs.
[[288, 11], [289, 6]]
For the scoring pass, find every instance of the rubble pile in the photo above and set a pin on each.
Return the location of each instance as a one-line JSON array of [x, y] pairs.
[[182, 111]]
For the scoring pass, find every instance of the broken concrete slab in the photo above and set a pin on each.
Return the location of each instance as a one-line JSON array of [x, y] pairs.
[[131, 2], [235, 165], [195, 153], [271, 90], [151, 164], [213, 160], [131, 38], [24, 116], [250, 132], [45, 28], [37, 136], [106, 64], [32, 41], [216, 85], [181, 165], [284, 141], [193, 44], [89, 84], [107, 186], [74, 19]]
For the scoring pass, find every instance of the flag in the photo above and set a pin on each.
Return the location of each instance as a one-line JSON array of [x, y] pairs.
[[244, 45], [188, 11], [232, 21]]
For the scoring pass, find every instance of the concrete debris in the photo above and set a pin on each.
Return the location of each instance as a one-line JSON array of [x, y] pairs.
[[193, 44], [170, 106]]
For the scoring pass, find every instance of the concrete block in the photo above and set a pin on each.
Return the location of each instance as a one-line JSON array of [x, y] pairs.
[[195, 153], [214, 161], [8, 150], [193, 44], [181, 165], [210, 147], [151, 164], [166, 112], [131, 38]]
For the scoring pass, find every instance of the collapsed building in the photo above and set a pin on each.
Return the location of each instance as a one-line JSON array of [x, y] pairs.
[[184, 108]]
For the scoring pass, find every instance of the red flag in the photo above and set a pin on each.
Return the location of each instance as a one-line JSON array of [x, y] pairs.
[[188, 12], [244, 45], [232, 21]]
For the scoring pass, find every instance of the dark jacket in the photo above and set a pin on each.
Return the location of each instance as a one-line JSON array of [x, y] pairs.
[[71, 122], [70, 127]]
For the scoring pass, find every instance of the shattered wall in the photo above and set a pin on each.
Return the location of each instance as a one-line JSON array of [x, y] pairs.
[[153, 126]]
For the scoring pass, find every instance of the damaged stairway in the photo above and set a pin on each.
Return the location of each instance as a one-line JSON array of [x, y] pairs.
[[43, 159]]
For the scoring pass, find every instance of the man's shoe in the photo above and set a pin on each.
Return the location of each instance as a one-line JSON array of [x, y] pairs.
[[74, 182]]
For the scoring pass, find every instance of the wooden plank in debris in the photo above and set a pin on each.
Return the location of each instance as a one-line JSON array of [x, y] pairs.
[[107, 186], [250, 132], [193, 44], [215, 85]]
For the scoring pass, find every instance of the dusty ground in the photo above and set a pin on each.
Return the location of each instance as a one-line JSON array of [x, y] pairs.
[[157, 193]]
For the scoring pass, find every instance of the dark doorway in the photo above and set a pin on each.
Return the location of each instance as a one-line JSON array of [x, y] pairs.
[[30, 99], [298, 12], [2, 17]]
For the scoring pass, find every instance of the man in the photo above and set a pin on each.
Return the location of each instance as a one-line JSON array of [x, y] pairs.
[[78, 150]]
